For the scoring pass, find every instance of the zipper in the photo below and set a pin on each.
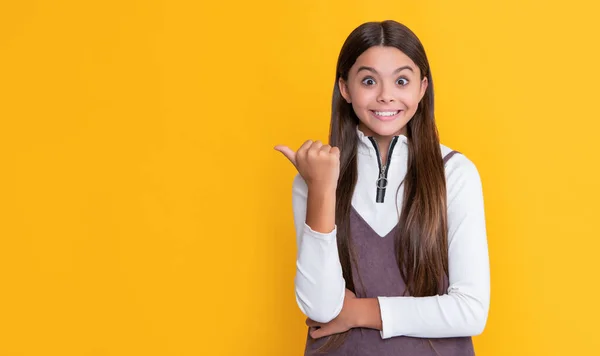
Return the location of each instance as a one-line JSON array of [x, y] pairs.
[[382, 180]]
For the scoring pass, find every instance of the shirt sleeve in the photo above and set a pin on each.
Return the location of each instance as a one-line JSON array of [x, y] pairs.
[[319, 282], [463, 310]]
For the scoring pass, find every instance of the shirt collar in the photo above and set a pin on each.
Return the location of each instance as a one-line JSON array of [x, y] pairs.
[[365, 145]]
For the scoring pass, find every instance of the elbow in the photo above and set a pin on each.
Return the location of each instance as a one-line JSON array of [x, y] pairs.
[[474, 313], [323, 315], [481, 321], [478, 315], [322, 309], [476, 327]]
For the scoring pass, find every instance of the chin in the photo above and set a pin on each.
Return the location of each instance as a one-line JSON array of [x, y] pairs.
[[385, 129]]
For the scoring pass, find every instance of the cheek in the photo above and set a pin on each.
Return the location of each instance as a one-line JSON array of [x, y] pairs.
[[411, 98], [361, 99]]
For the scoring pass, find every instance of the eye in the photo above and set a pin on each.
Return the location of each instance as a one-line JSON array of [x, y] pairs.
[[399, 81], [368, 81]]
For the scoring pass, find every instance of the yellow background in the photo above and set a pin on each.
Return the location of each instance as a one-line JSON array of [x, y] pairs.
[[145, 212]]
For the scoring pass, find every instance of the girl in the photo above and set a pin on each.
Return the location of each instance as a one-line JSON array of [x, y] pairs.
[[379, 272]]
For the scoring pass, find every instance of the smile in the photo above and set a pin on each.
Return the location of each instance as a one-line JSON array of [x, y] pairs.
[[385, 115]]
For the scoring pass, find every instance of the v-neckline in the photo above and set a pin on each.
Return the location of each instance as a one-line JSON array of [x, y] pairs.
[[370, 227]]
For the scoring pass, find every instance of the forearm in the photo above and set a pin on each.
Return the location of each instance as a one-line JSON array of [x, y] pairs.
[[438, 316], [449, 315]]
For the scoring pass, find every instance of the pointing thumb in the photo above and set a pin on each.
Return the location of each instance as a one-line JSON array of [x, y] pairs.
[[288, 153]]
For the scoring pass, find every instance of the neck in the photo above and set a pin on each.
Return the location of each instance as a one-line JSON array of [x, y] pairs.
[[382, 141]]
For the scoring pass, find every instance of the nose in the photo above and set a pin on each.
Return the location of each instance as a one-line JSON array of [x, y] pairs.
[[385, 95]]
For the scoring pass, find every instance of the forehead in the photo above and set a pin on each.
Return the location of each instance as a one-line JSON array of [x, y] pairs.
[[384, 59]]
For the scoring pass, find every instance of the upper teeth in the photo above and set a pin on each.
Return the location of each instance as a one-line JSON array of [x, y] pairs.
[[386, 113]]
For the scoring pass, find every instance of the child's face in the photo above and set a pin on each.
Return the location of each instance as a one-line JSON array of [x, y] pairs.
[[384, 88]]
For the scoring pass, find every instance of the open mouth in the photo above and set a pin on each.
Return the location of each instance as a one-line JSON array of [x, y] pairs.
[[385, 115]]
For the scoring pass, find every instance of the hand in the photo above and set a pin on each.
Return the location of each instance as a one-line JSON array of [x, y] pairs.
[[345, 321], [317, 163]]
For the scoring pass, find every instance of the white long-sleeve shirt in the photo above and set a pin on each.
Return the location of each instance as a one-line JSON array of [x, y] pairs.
[[463, 311]]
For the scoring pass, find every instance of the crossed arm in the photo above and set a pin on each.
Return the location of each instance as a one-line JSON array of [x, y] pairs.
[[462, 311]]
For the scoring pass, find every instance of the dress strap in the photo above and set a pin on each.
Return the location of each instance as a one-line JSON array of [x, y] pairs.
[[449, 155]]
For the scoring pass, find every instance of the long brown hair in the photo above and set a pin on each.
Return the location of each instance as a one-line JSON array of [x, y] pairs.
[[421, 240]]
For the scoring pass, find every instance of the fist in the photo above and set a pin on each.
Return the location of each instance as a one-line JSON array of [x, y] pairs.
[[318, 164]]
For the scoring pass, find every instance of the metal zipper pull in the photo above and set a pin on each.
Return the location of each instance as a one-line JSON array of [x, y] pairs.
[[382, 180]]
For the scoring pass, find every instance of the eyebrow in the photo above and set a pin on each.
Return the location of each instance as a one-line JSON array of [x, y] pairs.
[[371, 69]]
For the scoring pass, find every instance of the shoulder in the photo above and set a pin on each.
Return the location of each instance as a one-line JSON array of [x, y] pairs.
[[460, 169]]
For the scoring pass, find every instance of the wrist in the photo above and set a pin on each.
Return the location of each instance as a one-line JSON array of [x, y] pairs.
[[357, 318], [367, 313], [322, 189]]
